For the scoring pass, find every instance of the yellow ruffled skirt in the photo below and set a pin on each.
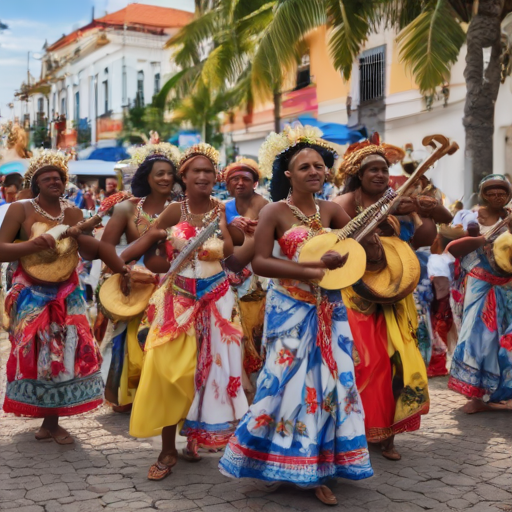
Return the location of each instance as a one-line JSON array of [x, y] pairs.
[[166, 388], [132, 365]]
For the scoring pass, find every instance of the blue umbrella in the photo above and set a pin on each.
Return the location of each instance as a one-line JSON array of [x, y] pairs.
[[18, 166], [109, 154], [337, 133]]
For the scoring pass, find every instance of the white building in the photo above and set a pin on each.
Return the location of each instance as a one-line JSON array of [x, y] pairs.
[[92, 74]]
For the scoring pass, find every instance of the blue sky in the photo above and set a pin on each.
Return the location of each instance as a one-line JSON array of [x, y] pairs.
[[31, 22]]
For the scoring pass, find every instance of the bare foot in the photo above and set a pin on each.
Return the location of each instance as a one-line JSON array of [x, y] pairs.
[[388, 449], [325, 495], [475, 405]]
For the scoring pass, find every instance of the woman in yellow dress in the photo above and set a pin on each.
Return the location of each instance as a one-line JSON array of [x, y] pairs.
[[193, 364]]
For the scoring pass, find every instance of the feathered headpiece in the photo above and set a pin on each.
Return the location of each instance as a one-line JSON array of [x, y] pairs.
[[242, 164], [160, 151], [357, 155], [278, 148], [46, 158], [201, 149]]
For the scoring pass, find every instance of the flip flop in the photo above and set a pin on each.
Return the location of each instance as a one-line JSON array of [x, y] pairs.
[[63, 440], [190, 456], [42, 434], [46, 434], [325, 495], [159, 470]]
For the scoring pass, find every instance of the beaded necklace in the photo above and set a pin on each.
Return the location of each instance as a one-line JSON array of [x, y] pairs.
[[62, 203], [312, 221], [203, 219]]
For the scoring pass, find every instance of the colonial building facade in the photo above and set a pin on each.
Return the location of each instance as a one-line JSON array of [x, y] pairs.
[[91, 75]]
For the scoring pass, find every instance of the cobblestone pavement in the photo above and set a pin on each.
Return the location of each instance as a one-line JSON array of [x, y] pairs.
[[455, 462]]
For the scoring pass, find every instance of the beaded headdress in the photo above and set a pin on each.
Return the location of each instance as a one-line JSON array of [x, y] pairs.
[[46, 158], [278, 148], [241, 164], [357, 155], [160, 151], [201, 149]]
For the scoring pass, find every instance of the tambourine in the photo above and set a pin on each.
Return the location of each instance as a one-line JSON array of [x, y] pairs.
[[343, 277], [52, 265], [397, 280], [119, 307], [502, 251]]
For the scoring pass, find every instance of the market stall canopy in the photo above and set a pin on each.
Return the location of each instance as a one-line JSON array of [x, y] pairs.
[[18, 166], [109, 154], [337, 133], [92, 168]]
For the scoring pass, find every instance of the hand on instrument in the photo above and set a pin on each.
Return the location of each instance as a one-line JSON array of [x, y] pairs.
[[72, 232], [333, 260], [126, 280], [44, 242], [426, 205], [314, 274], [405, 206]]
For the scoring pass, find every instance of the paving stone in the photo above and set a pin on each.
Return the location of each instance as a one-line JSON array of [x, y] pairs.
[[29, 508], [175, 505]]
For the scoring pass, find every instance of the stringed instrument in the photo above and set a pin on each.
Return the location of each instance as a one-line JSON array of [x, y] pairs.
[[401, 276]]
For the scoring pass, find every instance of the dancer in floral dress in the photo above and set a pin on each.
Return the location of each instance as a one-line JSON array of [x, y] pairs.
[[306, 424]]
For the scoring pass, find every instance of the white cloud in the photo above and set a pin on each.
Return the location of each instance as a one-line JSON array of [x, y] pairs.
[[13, 62]]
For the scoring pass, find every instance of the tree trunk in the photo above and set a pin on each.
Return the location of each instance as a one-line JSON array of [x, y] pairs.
[[277, 110], [482, 89]]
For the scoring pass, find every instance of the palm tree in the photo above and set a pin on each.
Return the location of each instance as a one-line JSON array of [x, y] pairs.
[[430, 38], [217, 48], [201, 111]]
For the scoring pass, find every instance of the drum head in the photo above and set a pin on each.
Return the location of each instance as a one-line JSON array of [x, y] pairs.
[[397, 280], [343, 277], [51, 266], [502, 249], [119, 307]]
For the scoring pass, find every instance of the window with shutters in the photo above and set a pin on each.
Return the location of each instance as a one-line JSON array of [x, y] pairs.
[[372, 76]]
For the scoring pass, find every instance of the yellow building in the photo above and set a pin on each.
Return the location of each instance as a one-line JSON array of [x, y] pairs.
[[381, 96]]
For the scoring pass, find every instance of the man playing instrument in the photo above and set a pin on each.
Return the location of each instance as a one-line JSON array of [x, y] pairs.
[[53, 368], [394, 395], [242, 215], [193, 363], [482, 361]]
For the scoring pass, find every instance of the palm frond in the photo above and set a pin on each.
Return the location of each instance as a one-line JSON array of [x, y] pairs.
[[179, 84], [463, 8], [190, 40], [431, 44], [350, 22], [277, 53], [398, 14]]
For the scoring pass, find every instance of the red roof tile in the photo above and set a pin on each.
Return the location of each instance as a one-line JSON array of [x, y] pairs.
[[133, 15], [148, 15]]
